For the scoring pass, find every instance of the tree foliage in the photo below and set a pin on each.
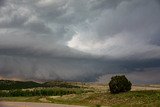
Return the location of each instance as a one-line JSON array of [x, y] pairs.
[[40, 92], [12, 85], [119, 84]]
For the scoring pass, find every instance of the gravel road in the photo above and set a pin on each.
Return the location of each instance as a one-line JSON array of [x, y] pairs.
[[28, 104]]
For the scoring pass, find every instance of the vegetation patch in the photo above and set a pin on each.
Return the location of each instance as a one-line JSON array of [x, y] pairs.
[[40, 92], [11, 85], [119, 84]]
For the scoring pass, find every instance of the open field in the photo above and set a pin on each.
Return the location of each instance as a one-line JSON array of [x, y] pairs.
[[96, 95], [147, 87]]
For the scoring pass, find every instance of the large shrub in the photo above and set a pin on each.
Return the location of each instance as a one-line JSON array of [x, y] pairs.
[[119, 84]]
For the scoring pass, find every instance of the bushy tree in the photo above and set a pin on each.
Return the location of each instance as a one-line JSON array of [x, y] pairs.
[[119, 84]]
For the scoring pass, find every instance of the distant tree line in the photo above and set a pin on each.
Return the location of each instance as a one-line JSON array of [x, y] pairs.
[[61, 84], [10, 84], [40, 92]]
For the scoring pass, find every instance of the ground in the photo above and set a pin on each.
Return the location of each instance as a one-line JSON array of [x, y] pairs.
[[29, 104], [99, 95]]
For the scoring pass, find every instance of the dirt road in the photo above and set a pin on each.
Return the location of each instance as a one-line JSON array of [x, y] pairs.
[[28, 104]]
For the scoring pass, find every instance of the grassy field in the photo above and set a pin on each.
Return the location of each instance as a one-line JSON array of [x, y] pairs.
[[96, 95]]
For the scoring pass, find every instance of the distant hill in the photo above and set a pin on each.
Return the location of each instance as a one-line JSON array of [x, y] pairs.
[[59, 84], [11, 85]]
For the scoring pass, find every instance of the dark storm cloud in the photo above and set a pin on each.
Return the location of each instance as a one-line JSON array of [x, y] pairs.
[[2, 2], [78, 39], [77, 69], [105, 4]]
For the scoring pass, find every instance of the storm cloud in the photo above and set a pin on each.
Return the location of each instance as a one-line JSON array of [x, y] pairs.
[[79, 40]]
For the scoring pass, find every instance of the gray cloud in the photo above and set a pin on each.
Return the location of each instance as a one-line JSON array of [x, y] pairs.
[[2, 2], [78, 39], [136, 77]]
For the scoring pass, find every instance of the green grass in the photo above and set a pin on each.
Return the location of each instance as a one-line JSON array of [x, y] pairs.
[[126, 99], [21, 99]]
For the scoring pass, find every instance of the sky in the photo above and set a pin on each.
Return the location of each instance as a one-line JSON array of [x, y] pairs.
[[80, 40]]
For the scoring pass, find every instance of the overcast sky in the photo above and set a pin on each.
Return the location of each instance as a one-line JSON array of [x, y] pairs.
[[80, 40]]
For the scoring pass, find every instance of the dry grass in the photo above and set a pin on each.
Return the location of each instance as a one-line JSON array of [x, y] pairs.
[[143, 87]]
